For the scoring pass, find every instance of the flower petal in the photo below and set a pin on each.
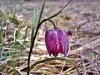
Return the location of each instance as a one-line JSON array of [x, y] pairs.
[[52, 42], [64, 41]]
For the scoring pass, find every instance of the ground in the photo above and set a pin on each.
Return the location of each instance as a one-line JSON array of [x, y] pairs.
[[83, 19]]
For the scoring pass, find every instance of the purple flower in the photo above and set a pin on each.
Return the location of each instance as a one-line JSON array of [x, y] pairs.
[[69, 33], [56, 42]]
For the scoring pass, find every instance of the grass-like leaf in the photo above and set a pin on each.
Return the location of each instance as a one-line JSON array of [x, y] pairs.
[[33, 23], [1, 36], [34, 36], [55, 58], [13, 18]]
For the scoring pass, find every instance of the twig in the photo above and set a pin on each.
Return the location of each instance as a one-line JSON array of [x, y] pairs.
[[62, 68]]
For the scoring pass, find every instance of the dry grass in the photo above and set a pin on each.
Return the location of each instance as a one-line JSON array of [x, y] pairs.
[[84, 44]]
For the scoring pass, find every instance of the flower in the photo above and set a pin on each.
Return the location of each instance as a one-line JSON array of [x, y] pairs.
[[56, 42], [69, 32]]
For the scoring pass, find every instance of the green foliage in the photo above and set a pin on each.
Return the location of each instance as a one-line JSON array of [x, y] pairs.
[[1, 35], [13, 18], [33, 23]]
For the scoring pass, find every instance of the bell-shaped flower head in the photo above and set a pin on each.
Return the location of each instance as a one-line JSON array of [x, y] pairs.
[[56, 42]]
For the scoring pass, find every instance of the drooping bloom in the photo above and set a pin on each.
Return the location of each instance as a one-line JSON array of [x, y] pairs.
[[56, 42]]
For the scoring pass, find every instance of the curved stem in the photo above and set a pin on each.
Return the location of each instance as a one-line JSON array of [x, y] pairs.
[[32, 43], [56, 13], [33, 39], [53, 24]]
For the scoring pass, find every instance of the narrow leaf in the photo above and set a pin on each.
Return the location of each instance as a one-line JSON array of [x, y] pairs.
[[33, 23], [1, 36], [41, 12], [33, 38]]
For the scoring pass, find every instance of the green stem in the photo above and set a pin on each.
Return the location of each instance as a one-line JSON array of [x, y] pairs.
[[13, 64], [53, 24], [33, 39]]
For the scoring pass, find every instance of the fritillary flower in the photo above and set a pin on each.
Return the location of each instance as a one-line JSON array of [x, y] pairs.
[[56, 42]]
